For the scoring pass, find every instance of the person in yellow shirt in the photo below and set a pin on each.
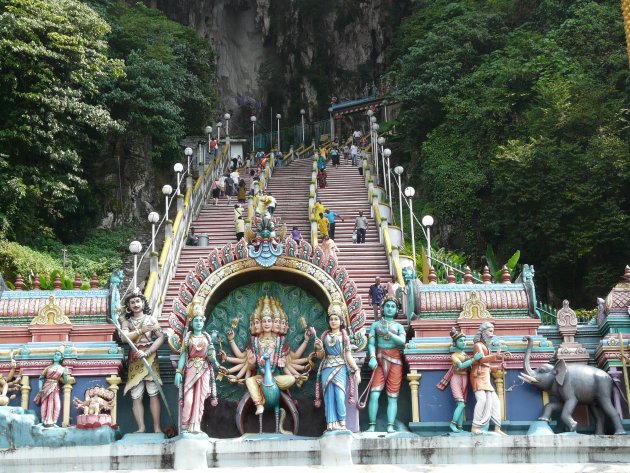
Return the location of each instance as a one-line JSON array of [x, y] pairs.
[[318, 209], [323, 224]]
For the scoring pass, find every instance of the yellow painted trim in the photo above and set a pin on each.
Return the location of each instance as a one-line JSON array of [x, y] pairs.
[[187, 197], [178, 221], [197, 183], [165, 248], [150, 284]]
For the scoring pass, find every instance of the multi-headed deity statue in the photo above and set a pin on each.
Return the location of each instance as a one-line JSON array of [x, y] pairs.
[[268, 365], [9, 384]]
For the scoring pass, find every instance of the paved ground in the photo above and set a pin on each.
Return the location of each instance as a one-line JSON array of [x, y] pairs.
[[482, 468]]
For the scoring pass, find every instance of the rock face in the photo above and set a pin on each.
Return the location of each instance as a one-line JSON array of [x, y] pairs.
[[291, 54]]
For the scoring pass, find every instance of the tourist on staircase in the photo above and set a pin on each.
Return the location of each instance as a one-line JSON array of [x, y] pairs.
[[323, 224], [329, 248], [332, 216], [239, 226], [360, 225], [334, 154], [295, 233], [215, 189], [377, 293]]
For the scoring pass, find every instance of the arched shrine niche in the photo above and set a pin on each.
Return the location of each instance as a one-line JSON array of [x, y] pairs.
[[234, 312]]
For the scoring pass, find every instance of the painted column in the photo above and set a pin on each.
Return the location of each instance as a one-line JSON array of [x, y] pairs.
[[25, 390], [67, 395], [414, 384], [113, 382], [499, 381]]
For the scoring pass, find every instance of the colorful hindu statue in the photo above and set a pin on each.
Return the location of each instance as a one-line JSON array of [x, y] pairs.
[[386, 340], [9, 384], [194, 374], [337, 371], [488, 406], [457, 376], [268, 353], [143, 330], [48, 396], [265, 244]]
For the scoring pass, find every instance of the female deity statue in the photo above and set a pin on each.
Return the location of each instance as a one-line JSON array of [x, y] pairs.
[[268, 326], [48, 396], [457, 376], [334, 371], [195, 371]]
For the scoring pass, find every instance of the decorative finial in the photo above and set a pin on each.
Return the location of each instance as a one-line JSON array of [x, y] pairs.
[[76, 284], [450, 277], [37, 284], [94, 281], [57, 282], [19, 282], [468, 279], [505, 275], [432, 276], [486, 278]]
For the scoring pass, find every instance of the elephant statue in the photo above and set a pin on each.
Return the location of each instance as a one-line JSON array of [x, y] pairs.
[[573, 384]]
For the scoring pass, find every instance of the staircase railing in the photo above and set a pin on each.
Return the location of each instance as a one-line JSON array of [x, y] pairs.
[[162, 269]]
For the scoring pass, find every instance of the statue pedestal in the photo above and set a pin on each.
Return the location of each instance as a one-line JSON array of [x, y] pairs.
[[93, 421], [336, 448]]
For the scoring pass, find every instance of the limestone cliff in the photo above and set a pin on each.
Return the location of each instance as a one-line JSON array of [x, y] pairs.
[[291, 54]]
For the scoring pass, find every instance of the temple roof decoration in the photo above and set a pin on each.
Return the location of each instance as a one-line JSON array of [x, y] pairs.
[[474, 308], [618, 300], [50, 314], [73, 303], [498, 299]]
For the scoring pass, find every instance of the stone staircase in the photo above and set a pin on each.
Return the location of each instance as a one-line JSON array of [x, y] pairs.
[[346, 194], [217, 221], [289, 185]]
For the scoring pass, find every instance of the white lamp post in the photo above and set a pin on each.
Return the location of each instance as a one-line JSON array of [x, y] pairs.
[[253, 120], [399, 170], [387, 153], [332, 127], [219, 125], [302, 112], [154, 217], [166, 190], [278, 116], [380, 142], [410, 192], [375, 150], [188, 152], [135, 247], [226, 117], [209, 133], [178, 168], [427, 221]]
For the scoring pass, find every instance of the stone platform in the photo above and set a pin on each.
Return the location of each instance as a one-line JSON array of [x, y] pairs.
[[190, 452]]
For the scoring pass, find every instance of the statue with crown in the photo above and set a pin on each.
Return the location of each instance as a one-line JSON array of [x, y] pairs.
[[267, 366]]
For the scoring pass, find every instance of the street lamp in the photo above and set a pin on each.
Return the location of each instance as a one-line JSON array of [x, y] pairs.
[[178, 168], [332, 127], [278, 116], [399, 170], [188, 152], [219, 125], [253, 120], [410, 192], [375, 149], [427, 221], [380, 142], [387, 153], [226, 117], [302, 112], [135, 247], [209, 133], [154, 217], [166, 190]]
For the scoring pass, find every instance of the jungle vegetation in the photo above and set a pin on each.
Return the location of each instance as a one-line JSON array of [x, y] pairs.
[[515, 119], [73, 76]]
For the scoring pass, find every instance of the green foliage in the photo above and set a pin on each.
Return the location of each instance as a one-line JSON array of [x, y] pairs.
[[100, 253], [519, 114], [168, 87], [52, 57], [496, 269]]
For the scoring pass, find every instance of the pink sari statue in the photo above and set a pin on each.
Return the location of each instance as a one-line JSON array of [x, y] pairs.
[[48, 396], [195, 370]]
